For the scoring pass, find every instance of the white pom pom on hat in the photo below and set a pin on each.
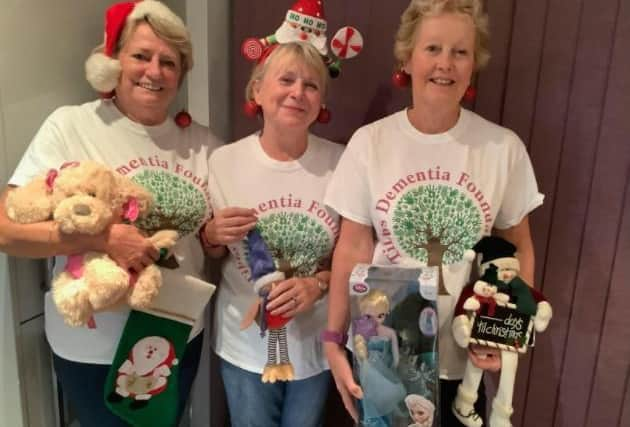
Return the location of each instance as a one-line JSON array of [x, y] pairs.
[[102, 70]]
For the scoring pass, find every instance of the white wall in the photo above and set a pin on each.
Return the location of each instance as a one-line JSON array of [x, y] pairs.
[[43, 46], [209, 83], [10, 404], [10, 398], [42, 49], [208, 103]]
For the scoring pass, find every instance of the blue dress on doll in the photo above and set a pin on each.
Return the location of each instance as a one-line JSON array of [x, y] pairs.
[[382, 389]]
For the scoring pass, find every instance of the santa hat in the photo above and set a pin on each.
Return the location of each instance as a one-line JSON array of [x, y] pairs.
[[308, 13], [497, 251], [102, 70]]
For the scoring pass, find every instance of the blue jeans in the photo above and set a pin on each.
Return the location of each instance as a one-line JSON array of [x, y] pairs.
[[253, 403], [83, 385]]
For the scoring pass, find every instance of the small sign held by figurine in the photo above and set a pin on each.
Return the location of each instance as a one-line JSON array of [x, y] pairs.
[[501, 326]]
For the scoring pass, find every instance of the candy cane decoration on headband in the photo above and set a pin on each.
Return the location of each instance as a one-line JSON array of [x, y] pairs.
[[347, 43]]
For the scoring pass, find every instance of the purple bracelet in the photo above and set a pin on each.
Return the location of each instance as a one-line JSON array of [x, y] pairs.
[[333, 336]]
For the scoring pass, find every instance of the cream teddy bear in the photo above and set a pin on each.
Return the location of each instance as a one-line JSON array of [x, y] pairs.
[[85, 198]]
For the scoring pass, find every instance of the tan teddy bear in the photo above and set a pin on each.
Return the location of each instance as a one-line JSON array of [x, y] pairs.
[[85, 198]]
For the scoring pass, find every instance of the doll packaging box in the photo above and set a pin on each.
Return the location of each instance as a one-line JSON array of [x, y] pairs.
[[394, 331]]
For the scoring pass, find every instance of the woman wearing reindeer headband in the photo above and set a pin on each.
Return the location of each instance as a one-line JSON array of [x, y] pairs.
[[274, 181], [138, 71], [427, 182]]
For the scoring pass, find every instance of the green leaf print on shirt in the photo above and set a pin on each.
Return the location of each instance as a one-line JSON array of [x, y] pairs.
[[297, 240], [179, 204], [436, 224]]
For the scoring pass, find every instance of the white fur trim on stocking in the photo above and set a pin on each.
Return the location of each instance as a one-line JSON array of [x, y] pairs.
[[181, 298]]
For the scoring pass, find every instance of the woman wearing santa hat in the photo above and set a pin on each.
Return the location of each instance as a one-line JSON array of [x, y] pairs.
[[138, 70], [426, 183]]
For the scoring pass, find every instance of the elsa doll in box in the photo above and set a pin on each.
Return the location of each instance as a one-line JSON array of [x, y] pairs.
[[377, 356]]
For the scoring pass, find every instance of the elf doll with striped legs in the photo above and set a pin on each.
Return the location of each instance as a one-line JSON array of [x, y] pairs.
[[265, 276]]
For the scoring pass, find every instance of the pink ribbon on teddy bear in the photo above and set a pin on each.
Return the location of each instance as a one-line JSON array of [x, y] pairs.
[[52, 174]]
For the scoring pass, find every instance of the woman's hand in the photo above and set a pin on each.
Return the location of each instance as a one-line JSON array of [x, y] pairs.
[[129, 248], [355, 245], [342, 373], [230, 225], [293, 296]]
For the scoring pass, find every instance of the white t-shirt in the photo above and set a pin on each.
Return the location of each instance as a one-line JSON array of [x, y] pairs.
[[454, 187], [171, 162], [287, 197]]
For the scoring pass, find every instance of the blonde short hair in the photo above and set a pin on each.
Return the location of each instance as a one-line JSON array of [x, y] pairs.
[[417, 10], [374, 298], [290, 52], [180, 41]]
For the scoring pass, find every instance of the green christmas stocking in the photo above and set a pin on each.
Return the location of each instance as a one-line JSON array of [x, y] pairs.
[[142, 384]]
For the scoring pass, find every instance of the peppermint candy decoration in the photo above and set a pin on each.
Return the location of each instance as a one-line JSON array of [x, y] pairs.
[[346, 43], [252, 49]]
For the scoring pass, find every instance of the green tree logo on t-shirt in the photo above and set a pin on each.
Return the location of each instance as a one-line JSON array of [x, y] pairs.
[[297, 241], [436, 224], [179, 205]]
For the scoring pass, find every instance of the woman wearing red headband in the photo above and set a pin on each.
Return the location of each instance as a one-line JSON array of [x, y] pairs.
[[274, 180]]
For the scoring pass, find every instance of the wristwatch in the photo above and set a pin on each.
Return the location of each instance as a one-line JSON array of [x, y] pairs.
[[333, 336]]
